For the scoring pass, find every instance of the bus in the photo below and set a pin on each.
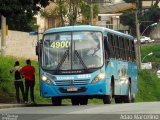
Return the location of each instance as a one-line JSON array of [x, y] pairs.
[[85, 62]]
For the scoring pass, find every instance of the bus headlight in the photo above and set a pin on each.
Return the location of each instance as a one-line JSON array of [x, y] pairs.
[[46, 80], [99, 77]]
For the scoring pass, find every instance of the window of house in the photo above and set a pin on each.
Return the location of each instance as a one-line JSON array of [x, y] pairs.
[[50, 22]]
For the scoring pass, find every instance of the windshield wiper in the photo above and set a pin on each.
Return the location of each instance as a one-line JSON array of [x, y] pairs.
[[63, 59], [78, 56]]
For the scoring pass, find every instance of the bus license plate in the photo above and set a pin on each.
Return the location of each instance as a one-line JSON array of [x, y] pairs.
[[72, 89]]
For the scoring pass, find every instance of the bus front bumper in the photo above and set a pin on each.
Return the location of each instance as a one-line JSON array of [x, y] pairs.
[[98, 89]]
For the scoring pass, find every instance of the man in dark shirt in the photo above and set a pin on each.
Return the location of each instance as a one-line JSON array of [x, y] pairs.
[[29, 72]]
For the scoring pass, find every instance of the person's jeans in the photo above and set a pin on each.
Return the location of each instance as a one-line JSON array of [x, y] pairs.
[[29, 84], [19, 85]]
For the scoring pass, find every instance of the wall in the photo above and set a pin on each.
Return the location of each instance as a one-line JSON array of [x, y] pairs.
[[21, 44]]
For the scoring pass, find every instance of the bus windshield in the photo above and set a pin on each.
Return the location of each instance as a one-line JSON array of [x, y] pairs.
[[72, 50]]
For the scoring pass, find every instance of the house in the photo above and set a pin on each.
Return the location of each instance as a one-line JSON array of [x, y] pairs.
[[108, 16], [48, 21]]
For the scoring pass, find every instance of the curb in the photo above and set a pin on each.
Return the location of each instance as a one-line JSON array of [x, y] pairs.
[[2, 106]]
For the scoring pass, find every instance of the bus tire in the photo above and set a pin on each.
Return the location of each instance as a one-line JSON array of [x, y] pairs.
[[84, 101], [118, 99], [107, 99], [75, 101], [56, 101], [133, 98], [128, 98]]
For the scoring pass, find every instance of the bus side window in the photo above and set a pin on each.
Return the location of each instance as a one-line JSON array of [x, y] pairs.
[[127, 48], [133, 51], [110, 44], [117, 47], [107, 51], [130, 50], [123, 47]]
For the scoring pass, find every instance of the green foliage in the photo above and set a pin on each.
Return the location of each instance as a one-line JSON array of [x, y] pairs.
[[20, 13], [148, 82], [7, 89], [128, 18], [86, 10], [9, 7], [70, 10], [5, 78], [23, 22], [148, 86], [151, 15], [155, 58]]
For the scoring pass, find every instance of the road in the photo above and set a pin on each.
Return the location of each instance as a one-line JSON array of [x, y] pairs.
[[93, 112]]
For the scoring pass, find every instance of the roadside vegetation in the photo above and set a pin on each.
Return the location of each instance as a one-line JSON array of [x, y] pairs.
[[148, 86], [154, 58], [148, 82], [7, 89]]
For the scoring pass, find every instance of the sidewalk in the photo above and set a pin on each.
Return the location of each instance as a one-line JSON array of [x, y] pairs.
[[2, 106]]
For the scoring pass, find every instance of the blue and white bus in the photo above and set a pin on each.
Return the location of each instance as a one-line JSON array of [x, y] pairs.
[[85, 62]]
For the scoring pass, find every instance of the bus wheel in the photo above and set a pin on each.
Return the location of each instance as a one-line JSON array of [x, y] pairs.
[[84, 101], [118, 99], [107, 99], [133, 98], [56, 101], [128, 98], [75, 101]]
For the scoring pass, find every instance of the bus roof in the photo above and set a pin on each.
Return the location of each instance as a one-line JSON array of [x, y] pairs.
[[85, 27]]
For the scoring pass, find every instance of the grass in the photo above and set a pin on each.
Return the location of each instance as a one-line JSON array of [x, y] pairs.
[[148, 83], [148, 86], [155, 58], [7, 89]]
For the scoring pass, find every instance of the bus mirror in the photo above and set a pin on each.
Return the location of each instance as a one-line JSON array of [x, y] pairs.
[[37, 52], [40, 41], [38, 47]]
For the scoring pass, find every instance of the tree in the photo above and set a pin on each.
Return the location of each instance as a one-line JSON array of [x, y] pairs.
[[152, 16], [70, 10], [60, 9], [19, 13], [15, 6], [146, 17], [86, 11], [23, 22], [128, 18], [73, 11]]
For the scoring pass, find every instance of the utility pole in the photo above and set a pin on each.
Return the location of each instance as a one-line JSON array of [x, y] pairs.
[[3, 35], [138, 46]]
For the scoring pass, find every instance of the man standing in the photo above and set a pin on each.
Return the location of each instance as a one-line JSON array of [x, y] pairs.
[[18, 81], [29, 72]]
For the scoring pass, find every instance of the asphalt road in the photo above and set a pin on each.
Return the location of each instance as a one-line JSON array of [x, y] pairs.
[[138, 111]]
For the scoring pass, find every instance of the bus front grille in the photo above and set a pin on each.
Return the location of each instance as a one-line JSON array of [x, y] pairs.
[[71, 82]]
